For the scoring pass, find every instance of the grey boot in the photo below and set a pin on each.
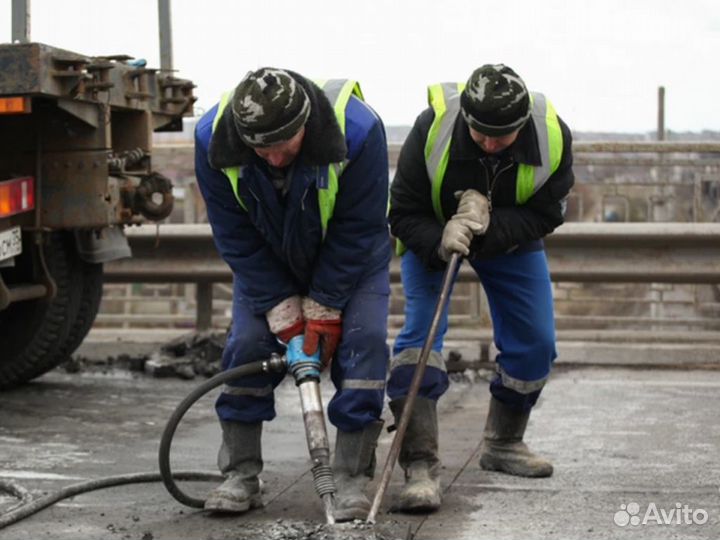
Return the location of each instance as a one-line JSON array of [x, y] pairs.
[[353, 468], [503, 448], [419, 457], [240, 460]]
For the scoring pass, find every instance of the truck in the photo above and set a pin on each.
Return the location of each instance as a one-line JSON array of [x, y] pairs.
[[75, 170]]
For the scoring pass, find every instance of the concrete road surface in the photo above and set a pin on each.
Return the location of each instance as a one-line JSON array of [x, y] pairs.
[[636, 454]]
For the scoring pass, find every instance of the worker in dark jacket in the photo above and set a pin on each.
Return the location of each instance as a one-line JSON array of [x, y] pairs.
[[485, 172], [295, 179]]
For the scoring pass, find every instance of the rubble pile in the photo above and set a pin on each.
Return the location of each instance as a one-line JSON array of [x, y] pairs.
[[196, 353], [200, 354], [306, 530], [187, 356]]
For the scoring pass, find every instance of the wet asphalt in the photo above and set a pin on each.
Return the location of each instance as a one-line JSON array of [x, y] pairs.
[[636, 455]]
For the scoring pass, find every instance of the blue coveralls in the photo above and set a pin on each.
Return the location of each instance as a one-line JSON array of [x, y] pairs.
[[276, 250]]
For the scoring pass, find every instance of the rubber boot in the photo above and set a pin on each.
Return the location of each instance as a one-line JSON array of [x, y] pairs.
[[353, 468], [240, 460], [419, 457], [503, 448]]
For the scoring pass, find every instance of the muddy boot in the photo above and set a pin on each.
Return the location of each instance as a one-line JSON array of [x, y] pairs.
[[353, 468], [419, 457], [503, 448], [240, 460]]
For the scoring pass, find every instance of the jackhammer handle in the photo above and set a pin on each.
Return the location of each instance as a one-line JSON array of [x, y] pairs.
[[414, 385]]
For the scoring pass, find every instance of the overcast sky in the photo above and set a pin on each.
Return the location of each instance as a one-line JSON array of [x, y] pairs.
[[600, 62]]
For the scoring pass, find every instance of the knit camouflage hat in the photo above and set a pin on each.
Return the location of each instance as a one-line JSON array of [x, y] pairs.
[[269, 107], [495, 101]]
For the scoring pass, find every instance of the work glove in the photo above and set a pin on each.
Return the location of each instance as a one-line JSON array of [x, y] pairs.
[[472, 218], [456, 238], [323, 329], [286, 319], [474, 207]]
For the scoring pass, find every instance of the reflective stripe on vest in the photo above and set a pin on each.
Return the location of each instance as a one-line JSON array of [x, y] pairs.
[[444, 98], [338, 92], [233, 173]]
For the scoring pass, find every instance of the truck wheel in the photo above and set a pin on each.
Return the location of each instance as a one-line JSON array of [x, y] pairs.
[[32, 332], [90, 297]]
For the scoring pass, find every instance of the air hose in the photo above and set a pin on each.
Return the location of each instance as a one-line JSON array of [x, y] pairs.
[[165, 475], [302, 372], [275, 364], [29, 508]]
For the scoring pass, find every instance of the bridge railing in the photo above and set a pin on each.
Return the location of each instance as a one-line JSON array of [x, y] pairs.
[[671, 253]]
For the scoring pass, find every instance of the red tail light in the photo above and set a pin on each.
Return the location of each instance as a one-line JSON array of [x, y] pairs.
[[14, 105], [16, 196]]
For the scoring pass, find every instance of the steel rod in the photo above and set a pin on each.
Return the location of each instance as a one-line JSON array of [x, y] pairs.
[[414, 386]]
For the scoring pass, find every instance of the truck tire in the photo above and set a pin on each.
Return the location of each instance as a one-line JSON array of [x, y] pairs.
[[90, 297], [33, 332]]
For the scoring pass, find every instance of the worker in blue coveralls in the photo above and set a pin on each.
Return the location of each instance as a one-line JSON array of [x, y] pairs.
[[295, 179], [484, 172]]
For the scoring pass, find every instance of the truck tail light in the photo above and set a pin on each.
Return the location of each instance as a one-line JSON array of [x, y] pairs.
[[16, 196], [14, 105]]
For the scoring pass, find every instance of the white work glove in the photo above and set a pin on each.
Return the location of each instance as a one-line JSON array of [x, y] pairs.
[[474, 207], [286, 319], [456, 238], [472, 218]]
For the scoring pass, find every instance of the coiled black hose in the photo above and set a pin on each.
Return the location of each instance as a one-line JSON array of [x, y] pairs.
[[166, 475], [30, 508], [182, 408]]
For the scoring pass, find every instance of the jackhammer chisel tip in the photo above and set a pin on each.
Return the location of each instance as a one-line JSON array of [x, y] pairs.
[[329, 504]]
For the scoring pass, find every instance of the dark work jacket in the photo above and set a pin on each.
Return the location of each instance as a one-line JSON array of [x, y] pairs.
[[275, 247], [512, 226]]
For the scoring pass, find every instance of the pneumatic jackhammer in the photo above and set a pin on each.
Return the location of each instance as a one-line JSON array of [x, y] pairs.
[[306, 372]]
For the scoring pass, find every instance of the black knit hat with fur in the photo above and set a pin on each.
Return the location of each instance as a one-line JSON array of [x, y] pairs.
[[269, 107]]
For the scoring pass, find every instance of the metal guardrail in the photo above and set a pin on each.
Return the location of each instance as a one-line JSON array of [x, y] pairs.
[[580, 150], [665, 147], [651, 152], [577, 252]]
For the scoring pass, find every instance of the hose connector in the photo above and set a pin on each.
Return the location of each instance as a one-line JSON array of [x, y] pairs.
[[299, 364], [274, 364]]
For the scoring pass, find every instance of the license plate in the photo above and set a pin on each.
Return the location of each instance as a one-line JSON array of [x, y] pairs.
[[10, 243]]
